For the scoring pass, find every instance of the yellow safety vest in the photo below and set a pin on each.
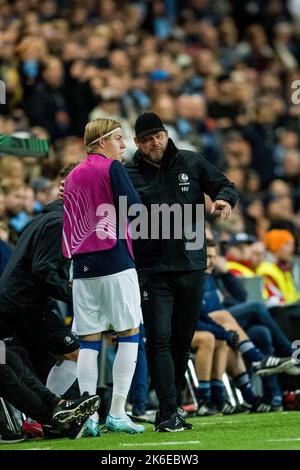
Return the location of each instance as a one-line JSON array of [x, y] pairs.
[[283, 280], [245, 272]]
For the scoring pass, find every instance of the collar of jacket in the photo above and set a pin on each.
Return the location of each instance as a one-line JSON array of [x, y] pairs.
[[55, 206], [97, 154], [169, 153]]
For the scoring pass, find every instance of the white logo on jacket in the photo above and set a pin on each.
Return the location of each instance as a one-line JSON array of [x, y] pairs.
[[145, 295], [183, 182], [183, 178]]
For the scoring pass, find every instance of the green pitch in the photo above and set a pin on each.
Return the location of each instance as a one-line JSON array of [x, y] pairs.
[[267, 431]]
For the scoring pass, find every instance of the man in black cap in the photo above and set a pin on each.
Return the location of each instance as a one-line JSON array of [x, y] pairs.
[[172, 273]]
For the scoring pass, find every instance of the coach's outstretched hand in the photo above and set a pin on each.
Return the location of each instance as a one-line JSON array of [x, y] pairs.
[[222, 206]]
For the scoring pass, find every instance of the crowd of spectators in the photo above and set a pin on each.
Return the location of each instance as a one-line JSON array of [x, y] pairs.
[[218, 72]]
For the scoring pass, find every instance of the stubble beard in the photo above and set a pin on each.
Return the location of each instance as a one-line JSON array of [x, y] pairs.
[[155, 156]]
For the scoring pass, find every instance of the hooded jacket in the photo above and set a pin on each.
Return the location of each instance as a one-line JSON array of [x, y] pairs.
[[37, 270]]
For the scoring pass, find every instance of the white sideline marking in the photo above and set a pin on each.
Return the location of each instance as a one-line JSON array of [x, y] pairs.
[[211, 422], [288, 439], [171, 443], [38, 448]]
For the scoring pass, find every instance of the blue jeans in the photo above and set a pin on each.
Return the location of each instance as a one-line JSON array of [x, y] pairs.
[[249, 314]]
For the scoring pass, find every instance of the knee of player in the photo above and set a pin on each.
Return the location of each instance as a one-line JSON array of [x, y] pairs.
[[8, 379], [204, 340], [261, 336], [72, 356], [260, 308], [209, 340]]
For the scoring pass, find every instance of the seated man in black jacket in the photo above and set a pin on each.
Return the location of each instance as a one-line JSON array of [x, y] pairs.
[[36, 274]]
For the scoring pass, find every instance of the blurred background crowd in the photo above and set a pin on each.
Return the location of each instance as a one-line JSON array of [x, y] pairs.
[[218, 72]]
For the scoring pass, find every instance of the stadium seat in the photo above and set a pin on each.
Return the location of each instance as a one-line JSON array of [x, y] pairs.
[[254, 288]]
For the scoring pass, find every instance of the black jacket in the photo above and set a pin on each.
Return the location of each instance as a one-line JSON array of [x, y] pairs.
[[183, 177], [37, 270]]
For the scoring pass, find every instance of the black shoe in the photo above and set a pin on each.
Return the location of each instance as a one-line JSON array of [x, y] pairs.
[[75, 429], [51, 432], [75, 410], [157, 419], [9, 437], [272, 365], [182, 412], [259, 406], [241, 408], [275, 407], [187, 426], [228, 409], [174, 424]]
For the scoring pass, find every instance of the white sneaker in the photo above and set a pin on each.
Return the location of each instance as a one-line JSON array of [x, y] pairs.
[[272, 365], [123, 424]]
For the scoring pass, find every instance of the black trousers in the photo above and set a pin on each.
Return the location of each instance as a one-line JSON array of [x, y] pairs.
[[20, 387], [42, 330], [170, 302]]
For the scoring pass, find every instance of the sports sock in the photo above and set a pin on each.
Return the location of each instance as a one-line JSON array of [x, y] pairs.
[[87, 366], [61, 377], [123, 370], [249, 352], [242, 381], [203, 391], [217, 393]]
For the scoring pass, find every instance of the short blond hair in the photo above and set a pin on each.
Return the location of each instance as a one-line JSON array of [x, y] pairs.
[[97, 128]]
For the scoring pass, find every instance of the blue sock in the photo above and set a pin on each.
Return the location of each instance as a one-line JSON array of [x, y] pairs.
[[203, 391], [129, 339], [242, 381], [249, 352], [95, 345], [218, 393]]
